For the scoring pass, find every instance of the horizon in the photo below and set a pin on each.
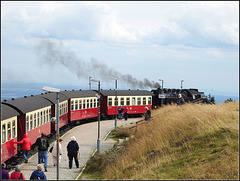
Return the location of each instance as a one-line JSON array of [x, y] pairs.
[[8, 92]]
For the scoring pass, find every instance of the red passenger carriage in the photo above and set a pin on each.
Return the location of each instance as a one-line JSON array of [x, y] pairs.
[[134, 100], [82, 104]]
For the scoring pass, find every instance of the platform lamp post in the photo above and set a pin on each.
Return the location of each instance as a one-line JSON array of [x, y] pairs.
[[115, 100], [90, 82], [98, 97], [51, 89], [162, 90], [181, 84]]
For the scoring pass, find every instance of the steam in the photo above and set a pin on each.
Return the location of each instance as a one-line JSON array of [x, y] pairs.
[[53, 52]]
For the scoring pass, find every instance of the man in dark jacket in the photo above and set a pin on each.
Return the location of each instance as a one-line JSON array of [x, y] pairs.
[[42, 143], [147, 113], [72, 149], [180, 100], [38, 174], [5, 174]]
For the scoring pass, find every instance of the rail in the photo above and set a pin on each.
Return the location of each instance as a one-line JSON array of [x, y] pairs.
[[197, 101]]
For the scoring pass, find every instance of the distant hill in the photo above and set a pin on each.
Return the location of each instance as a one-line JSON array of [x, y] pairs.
[[16, 90]]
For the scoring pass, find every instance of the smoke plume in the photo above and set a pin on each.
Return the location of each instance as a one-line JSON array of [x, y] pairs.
[[53, 52]]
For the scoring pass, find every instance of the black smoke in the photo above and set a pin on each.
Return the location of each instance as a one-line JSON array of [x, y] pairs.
[[53, 52]]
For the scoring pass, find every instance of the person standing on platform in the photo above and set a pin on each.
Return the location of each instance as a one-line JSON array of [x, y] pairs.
[[17, 175], [125, 113], [54, 151], [120, 112], [73, 149], [42, 143], [5, 174], [38, 174], [26, 146]]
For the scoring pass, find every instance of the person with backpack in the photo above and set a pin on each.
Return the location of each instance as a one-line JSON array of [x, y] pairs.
[[120, 112], [43, 144], [17, 175], [38, 174], [26, 146]]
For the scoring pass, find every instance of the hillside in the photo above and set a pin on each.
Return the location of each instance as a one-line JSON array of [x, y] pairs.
[[193, 141]]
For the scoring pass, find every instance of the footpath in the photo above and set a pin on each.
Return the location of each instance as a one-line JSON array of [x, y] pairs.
[[86, 136]]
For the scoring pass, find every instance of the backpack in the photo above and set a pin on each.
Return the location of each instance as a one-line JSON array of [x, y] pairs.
[[120, 109], [43, 144]]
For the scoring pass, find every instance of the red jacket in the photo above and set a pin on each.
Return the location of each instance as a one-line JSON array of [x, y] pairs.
[[16, 176], [125, 110], [26, 143]]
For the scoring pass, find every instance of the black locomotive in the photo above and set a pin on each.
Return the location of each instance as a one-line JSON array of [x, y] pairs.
[[168, 96]]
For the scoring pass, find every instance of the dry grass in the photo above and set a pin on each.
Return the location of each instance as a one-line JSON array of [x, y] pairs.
[[193, 141]]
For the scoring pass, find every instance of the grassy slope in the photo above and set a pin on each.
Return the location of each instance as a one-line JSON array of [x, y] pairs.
[[181, 142]]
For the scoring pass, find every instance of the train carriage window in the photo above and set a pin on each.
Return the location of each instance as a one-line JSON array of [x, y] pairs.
[[41, 118], [87, 103], [38, 120], [35, 121], [144, 101], [72, 105], [60, 110], [109, 101], [139, 100], [94, 103], [31, 122], [128, 101], [91, 103], [13, 129], [76, 105], [122, 101], [133, 101], [83, 103], [115, 103], [9, 130], [44, 117], [149, 101], [80, 104], [3, 133], [27, 123], [49, 113]]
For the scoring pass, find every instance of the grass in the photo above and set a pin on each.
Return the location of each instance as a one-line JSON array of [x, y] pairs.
[[193, 141]]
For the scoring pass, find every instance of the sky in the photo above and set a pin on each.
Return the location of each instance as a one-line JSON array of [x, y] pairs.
[[137, 42]]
